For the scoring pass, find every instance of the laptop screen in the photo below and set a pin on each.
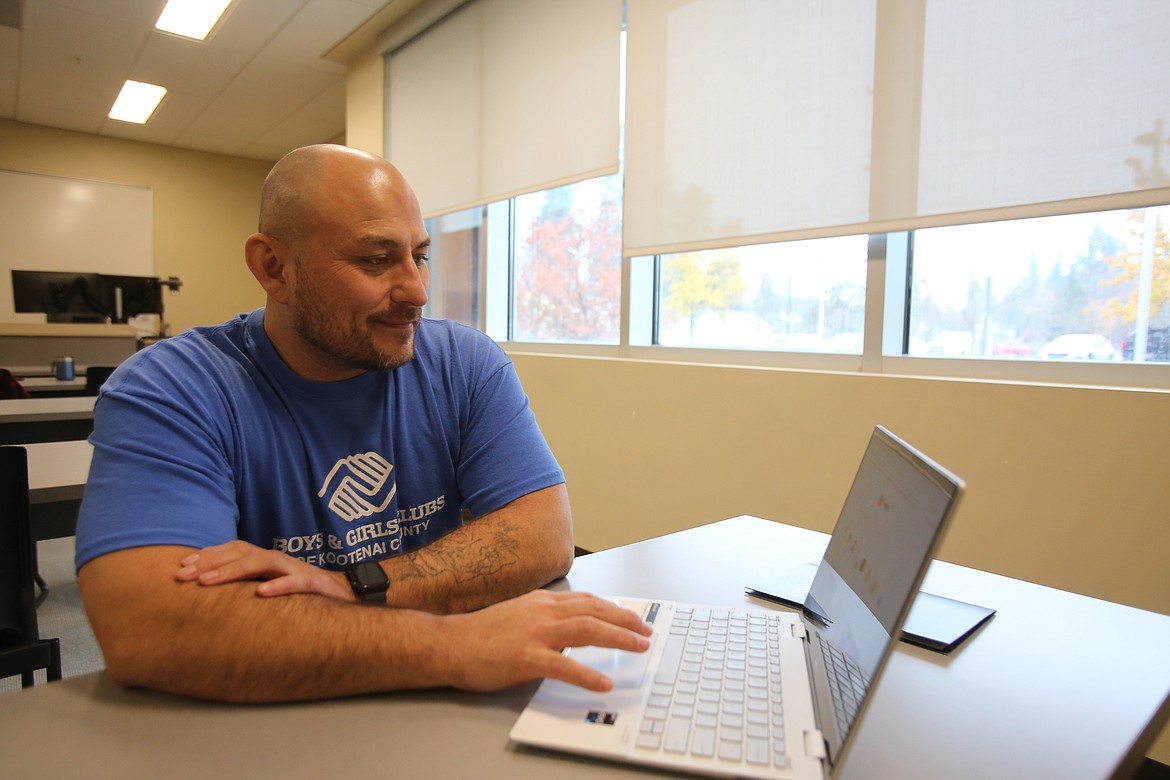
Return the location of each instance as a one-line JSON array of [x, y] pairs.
[[873, 565]]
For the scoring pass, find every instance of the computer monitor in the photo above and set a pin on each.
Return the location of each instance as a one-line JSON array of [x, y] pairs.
[[129, 296], [85, 297], [63, 296]]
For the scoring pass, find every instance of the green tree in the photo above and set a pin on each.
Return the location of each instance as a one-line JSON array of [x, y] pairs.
[[699, 282], [1126, 266]]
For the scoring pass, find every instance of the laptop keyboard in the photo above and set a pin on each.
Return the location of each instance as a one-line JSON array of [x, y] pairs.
[[716, 693], [847, 684]]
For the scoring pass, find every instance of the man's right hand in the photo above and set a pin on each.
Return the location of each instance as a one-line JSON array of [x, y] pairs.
[[523, 638]]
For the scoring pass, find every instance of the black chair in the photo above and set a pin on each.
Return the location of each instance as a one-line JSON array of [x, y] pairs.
[[22, 651], [10, 386], [95, 377]]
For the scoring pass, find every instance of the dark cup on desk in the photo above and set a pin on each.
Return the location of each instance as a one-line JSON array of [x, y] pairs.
[[63, 368]]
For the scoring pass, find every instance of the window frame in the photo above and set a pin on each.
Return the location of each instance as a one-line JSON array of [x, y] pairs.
[[885, 333]]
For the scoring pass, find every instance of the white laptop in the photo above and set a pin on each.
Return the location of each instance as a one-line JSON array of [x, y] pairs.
[[753, 692]]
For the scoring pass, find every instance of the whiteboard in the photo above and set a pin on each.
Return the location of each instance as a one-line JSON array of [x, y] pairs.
[[54, 223]]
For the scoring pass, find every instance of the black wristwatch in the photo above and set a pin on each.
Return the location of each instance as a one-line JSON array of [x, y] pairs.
[[368, 581]]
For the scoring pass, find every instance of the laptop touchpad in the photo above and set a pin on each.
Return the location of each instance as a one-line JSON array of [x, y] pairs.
[[626, 669]]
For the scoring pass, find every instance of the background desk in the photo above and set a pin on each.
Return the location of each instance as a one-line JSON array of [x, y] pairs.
[[26, 420], [57, 472], [51, 387], [1019, 700]]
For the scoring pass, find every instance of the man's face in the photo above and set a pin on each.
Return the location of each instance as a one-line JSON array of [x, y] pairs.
[[361, 282], [356, 326]]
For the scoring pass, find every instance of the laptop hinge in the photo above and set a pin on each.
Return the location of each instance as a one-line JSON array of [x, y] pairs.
[[798, 631], [814, 744]]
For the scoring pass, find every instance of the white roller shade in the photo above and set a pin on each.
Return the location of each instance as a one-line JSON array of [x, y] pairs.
[[1044, 100], [744, 118], [761, 120], [504, 97]]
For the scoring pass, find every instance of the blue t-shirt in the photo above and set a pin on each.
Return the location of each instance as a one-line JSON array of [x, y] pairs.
[[209, 437]]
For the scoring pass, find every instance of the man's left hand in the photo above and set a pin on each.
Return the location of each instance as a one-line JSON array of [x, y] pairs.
[[281, 574]]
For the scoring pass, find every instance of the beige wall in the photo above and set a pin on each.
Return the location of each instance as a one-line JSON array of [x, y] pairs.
[[205, 205], [1066, 486], [365, 121]]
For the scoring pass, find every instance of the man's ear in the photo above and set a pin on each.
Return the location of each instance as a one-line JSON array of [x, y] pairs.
[[272, 270]]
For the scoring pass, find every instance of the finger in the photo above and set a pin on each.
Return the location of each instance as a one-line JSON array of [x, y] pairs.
[[284, 586], [607, 611], [213, 557], [589, 620], [228, 551], [596, 633], [305, 581], [626, 618], [573, 672], [259, 565], [587, 631], [188, 572]]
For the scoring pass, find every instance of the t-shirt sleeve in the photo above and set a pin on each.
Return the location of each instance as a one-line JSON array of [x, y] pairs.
[[503, 454], [160, 472]]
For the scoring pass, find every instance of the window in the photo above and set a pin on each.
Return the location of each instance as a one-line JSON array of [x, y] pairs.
[[1073, 287], [454, 264], [839, 217], [567, 263], [1080, 287], [799, 295]]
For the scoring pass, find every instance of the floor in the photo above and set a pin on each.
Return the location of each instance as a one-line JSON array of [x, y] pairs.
[[61, 615]]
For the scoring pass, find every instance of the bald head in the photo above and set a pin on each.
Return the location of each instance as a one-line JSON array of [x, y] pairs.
[[298, 186], [341, 253]]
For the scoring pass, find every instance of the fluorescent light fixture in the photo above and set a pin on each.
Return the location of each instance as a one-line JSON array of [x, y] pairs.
[[136, 102], [191, 18]]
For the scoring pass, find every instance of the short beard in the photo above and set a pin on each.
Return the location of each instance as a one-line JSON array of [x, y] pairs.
[[347, 344]]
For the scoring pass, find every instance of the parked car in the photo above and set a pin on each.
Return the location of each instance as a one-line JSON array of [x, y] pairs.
[[1078, 346], [951, 343], [1011, 349], [1157, 345]]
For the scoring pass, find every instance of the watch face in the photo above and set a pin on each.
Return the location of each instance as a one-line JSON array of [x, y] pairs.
[[367, 577]]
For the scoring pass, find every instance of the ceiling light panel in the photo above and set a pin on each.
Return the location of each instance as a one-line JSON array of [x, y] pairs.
[[191, 18], [136, 102]]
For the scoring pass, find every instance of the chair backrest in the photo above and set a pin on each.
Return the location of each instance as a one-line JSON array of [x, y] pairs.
[[95, 377], [10, 386], [18, 614]]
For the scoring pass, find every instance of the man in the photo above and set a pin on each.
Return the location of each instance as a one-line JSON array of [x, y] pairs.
[[246, 476]]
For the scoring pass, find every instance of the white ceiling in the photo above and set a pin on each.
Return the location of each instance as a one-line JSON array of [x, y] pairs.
[[258, 87]]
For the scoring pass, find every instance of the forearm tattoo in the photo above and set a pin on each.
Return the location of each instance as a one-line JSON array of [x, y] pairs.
[[469, 553]]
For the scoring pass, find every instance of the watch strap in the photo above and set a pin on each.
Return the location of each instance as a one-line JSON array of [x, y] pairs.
[[368, 590]]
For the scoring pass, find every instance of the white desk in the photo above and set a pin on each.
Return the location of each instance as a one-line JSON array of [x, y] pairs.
[[42, 409], [24, 420], [51, 387], [57, 470], [52, 383], [1018, 700], [57, 473], [1056, 685]]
